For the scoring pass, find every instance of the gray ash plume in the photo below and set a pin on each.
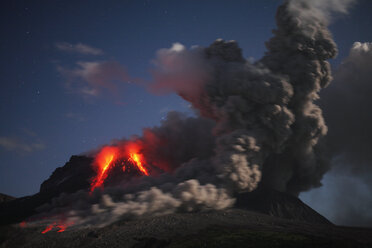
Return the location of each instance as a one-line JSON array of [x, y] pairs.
[[346, 105]]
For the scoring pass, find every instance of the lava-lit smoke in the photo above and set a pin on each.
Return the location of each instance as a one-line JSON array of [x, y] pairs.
[[257, 125]]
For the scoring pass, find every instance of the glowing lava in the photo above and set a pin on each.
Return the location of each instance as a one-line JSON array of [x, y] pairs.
[[61, 227], [109, 156], [48, 228], [137, 159], [103, 162]]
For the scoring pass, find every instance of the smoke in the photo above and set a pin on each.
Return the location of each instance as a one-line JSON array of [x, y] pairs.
[[301, 55], [179, 70], [108, 206], [347, 109], [257, 124], [347, 105], [319, 10]]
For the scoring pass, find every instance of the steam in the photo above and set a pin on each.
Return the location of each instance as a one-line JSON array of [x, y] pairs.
[[257, 123]]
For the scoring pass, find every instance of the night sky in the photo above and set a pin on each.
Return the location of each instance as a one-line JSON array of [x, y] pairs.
[[52, 108]]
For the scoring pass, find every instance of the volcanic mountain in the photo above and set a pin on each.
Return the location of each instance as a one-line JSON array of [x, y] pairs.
[[77, 173], [230, 173], [262, 217]]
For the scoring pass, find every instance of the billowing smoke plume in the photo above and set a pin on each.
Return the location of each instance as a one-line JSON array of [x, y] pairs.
[[299, 50], [257, 124], [347, 105]]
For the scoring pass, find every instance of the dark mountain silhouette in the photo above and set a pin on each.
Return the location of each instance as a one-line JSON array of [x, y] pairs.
[[6, 198], [73, 176]]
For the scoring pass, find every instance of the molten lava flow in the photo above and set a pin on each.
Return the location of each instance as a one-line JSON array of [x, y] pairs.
[[48, 228], [103, 161], [120, 155], [137, 160], [61, 226]]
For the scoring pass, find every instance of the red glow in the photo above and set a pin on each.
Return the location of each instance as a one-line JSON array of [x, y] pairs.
[[60, 226], [137, 159], [22, 224], [120, 155], [48, 228], [102, 162]]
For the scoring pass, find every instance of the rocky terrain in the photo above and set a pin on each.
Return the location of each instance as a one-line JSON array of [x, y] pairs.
[[228, 228]]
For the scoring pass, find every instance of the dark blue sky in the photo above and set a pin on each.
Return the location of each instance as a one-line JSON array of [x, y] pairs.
[[44, 122]]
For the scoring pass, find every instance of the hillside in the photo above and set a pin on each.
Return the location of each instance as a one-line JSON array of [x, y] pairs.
[[228, 228]]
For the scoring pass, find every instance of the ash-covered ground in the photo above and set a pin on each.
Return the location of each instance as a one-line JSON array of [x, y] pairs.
[[227, 228]]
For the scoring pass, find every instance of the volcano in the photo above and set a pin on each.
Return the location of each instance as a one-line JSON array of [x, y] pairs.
[[77, 175], [231, 172], [262, 217]]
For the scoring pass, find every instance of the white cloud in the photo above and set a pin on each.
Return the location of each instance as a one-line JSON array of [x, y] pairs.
[[92, 79], [79, 48], [20, 146]]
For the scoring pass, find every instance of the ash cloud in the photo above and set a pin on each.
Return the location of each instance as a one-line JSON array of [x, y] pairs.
[[257, 124], [346, 105], [178, 70], [320, 10]]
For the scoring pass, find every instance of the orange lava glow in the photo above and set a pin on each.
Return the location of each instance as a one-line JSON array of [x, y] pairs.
[[109, 156], [103, 161], [60, 226], [48, 228], [137, 159]]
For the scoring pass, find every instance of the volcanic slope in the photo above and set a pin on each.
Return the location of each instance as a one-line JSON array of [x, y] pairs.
[[227, 228], [76, 174]]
